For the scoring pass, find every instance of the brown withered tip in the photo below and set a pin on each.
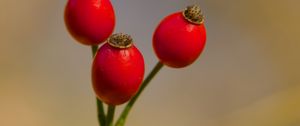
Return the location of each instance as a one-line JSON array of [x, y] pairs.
[[120, 40], [193, 14]]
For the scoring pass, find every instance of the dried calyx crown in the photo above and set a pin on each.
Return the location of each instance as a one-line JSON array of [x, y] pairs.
[[120, 40], [193, 14]]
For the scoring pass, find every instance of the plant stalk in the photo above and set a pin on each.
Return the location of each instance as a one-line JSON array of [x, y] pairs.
[[110, 115], [100, 107]]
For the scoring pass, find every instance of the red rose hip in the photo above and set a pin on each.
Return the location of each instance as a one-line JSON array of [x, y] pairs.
[[180, 38], [118, 70], [90, 21]]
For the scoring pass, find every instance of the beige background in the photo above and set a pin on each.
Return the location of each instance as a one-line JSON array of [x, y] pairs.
[[247, 76]]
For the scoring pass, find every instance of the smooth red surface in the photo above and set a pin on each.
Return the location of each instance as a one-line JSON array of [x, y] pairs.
[[117, 73], [90, 21], [177, 42]]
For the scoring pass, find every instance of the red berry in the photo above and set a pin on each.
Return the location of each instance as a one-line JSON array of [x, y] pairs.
[[90, 21], [118, 70], [180, 38]]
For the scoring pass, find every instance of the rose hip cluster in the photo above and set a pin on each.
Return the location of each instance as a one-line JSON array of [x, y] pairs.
[[118, 66]]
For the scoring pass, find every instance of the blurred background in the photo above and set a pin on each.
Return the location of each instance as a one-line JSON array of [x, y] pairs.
[[248, 74]]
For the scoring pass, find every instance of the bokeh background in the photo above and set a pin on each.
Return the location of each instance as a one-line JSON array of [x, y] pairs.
[[248, 74]]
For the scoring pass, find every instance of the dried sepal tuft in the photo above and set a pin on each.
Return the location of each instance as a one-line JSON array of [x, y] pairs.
[[120, 40], [193, 14]]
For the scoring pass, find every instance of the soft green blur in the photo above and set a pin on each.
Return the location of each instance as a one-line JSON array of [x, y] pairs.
[[248, 74]]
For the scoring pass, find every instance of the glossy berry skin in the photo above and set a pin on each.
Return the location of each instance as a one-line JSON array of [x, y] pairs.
[[117, 73], [178, 42], [90, 21]]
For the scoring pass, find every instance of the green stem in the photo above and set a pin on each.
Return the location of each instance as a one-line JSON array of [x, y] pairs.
[[122, 118], [100, 108], [110, 115], [94, 50], [101, 114]]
